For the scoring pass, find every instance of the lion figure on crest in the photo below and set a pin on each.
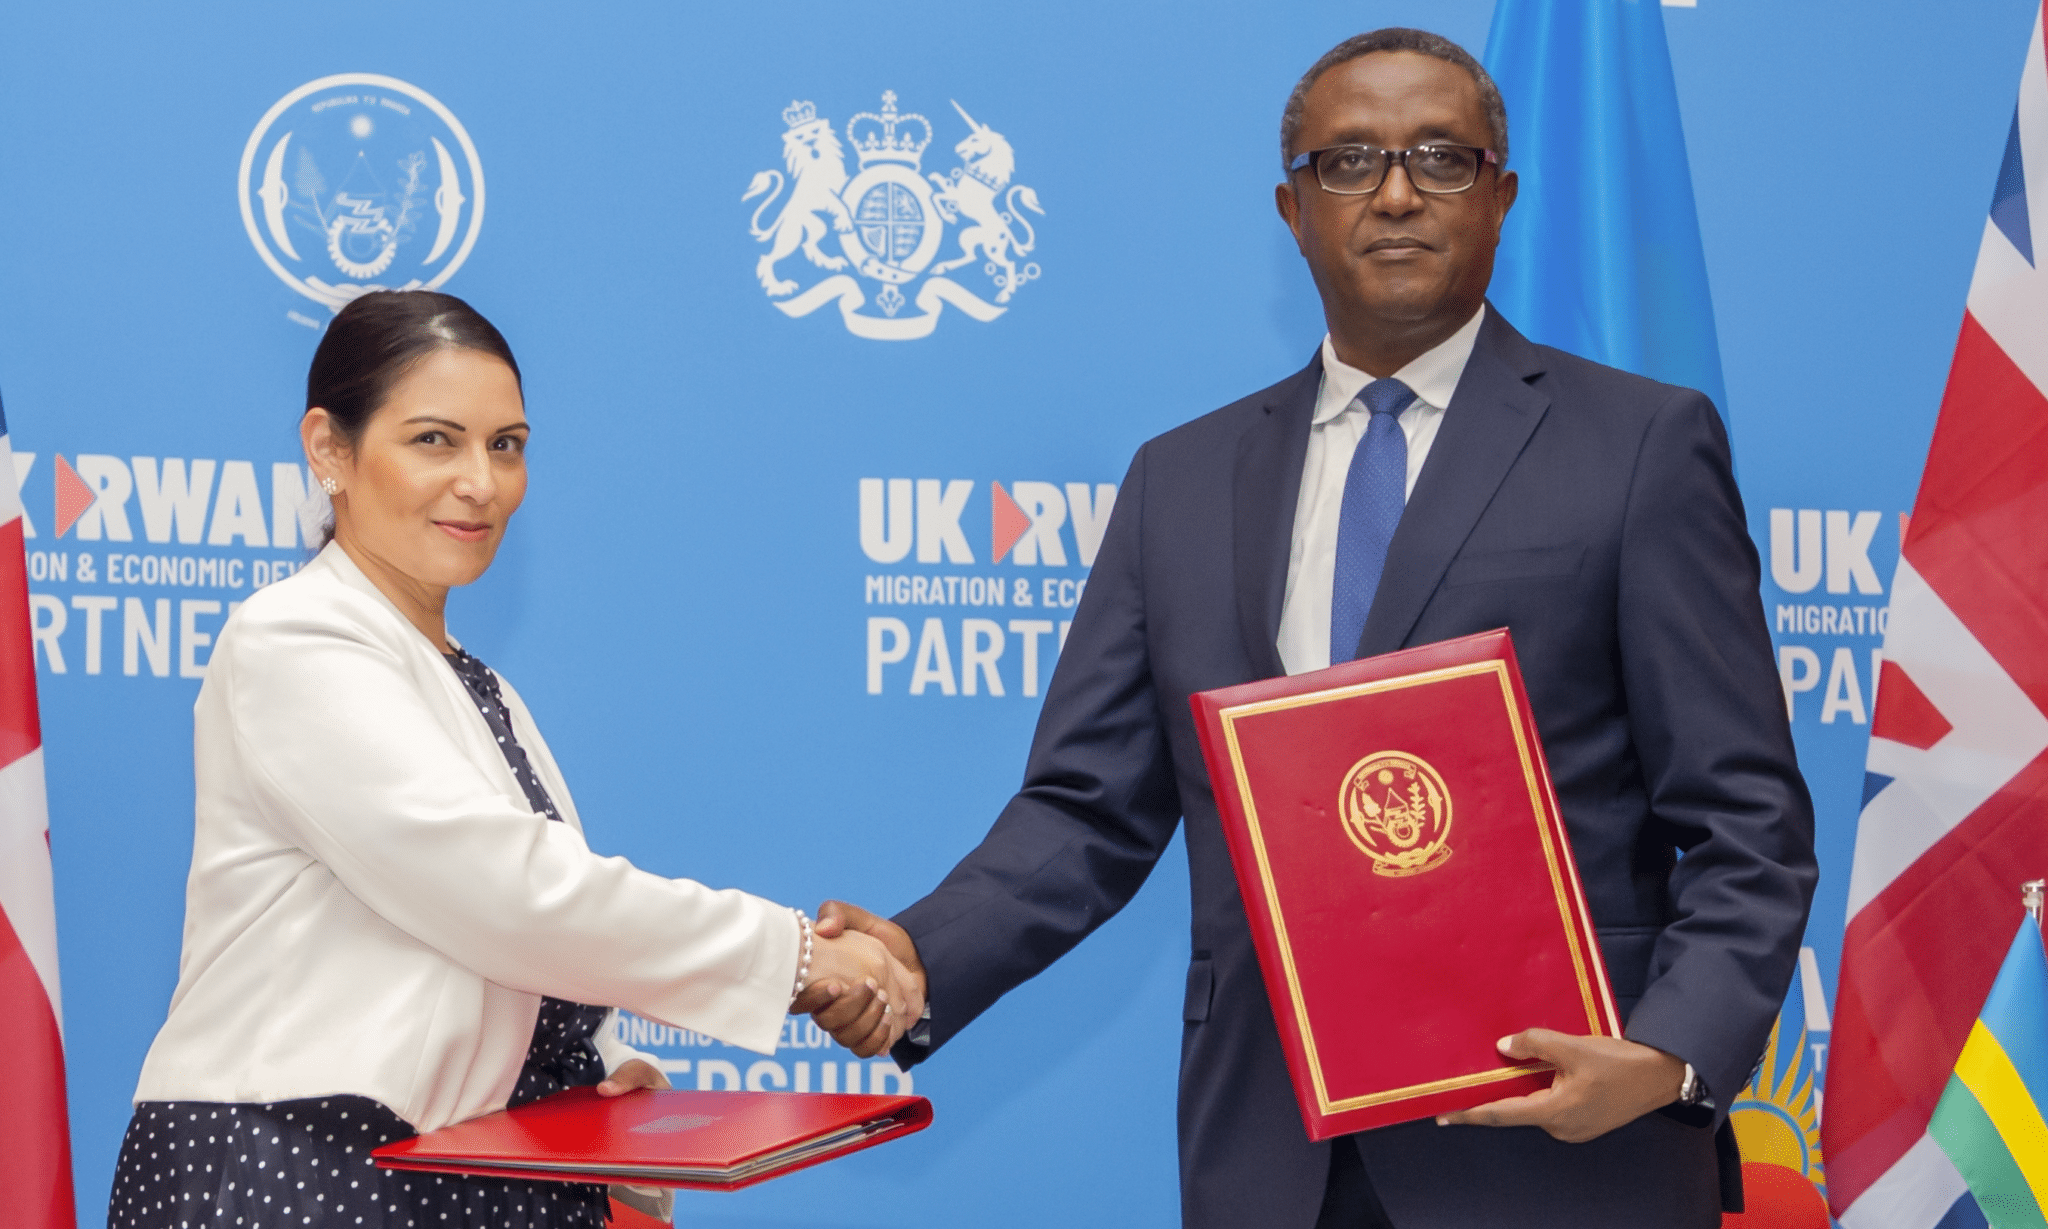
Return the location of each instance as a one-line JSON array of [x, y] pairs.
[[976, 190], [817, 174]]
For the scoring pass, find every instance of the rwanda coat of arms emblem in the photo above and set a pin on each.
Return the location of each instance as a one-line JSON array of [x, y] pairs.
[[1397, 810], [359, 182]]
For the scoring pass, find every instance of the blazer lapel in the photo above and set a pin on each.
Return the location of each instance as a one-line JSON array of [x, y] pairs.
[[1265, 489], [1489, 420]]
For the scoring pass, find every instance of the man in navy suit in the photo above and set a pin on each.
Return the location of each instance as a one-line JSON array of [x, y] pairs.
[[1429, 474]]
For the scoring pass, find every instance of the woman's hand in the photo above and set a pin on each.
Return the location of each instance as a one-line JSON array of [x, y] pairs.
[[632, 1074], [841, 1017], [853, 962]]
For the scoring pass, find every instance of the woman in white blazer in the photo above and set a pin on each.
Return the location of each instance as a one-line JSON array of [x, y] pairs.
[[392, 921]]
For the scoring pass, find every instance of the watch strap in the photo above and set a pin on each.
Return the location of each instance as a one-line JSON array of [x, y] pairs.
[[1690, 1090]]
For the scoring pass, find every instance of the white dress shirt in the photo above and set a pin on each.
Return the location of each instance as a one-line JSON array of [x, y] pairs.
[[1339, 424], [373, 906]]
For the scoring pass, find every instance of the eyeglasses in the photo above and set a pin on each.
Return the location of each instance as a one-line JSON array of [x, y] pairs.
[[1356, 170]]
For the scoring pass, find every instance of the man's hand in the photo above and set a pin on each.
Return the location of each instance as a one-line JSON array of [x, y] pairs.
[[856, 983], [853, 1013], [632, 1074], [1602, 1083]]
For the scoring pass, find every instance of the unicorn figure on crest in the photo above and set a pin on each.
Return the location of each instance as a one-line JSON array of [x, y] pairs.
[[977, 190]]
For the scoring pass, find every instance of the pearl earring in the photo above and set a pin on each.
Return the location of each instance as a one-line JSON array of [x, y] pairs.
[[330, 486]]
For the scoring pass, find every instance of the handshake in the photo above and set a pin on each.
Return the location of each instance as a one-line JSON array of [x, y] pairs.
[[867, 985]]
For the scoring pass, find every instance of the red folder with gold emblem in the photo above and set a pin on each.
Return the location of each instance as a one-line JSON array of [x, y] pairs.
[[1407, 876], [700, 1140]]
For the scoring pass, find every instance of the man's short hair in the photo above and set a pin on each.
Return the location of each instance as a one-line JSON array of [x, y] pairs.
[[1397, 38]]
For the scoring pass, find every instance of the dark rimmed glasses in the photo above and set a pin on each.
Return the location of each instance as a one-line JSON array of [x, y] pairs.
[[1355, 170]]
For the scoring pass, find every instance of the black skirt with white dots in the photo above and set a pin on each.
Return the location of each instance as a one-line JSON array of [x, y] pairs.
[[295, 1164]]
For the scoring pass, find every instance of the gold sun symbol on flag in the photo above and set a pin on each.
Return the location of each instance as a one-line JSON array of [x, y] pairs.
[[1777, 1118]]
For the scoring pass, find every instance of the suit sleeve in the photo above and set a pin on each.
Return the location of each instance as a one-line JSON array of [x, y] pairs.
[[1097, 809], [1708, 720]]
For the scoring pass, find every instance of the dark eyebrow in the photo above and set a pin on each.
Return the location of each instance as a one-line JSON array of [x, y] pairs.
[[452, 425]]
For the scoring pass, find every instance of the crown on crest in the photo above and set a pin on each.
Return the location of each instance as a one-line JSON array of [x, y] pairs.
[[798, 113], [889, 137]]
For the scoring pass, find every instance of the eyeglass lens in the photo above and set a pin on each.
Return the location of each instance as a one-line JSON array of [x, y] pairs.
[[1432, 168]]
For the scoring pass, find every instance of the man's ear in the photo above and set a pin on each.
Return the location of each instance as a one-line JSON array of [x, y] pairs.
[[1289, 206], [1504, 194]]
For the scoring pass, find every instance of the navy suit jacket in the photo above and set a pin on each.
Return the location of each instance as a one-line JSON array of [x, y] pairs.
[[1593, 513]]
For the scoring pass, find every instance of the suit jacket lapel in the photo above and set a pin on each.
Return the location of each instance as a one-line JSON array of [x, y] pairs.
[[1490, 418], [1265, 490]]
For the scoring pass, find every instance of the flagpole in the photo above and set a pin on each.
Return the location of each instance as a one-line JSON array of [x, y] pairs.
[[2032, 893]]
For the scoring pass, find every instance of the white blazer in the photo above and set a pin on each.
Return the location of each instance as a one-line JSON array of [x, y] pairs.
[[374, 908]]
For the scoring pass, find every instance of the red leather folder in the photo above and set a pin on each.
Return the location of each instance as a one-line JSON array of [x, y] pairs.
[[701, 1140], [1407, 876]]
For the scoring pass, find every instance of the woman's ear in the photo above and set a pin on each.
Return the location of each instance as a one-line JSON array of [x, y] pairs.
[[326, 451]]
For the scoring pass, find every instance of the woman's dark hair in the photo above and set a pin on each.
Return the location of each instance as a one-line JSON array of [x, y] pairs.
[[378, 337]]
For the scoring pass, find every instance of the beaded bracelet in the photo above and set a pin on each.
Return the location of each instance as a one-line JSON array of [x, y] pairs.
[[803, 965]]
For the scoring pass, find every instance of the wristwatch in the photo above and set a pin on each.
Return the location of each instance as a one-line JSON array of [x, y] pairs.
[[1691, 1090]]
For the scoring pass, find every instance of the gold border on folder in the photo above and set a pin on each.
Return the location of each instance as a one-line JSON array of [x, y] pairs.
[[1231, 716]]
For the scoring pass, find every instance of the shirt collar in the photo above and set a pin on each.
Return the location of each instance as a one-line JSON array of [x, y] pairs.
[[1433, 375]]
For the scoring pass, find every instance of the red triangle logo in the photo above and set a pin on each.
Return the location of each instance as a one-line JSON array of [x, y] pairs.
[[1905, 714], [1007, 521], [74, 496]]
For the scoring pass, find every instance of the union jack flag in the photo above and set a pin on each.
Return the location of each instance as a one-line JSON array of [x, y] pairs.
[[35, 1136], [1955, 811]]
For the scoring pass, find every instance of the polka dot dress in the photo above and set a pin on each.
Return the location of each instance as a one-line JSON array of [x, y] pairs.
[[483, 688], [201, 1165], [292, 1164]]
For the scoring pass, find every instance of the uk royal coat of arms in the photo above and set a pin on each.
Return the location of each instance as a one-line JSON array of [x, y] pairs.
[[898, 261], [1397, 810]]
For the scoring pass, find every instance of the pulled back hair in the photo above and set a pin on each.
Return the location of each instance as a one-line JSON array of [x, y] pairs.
[[379, 337]]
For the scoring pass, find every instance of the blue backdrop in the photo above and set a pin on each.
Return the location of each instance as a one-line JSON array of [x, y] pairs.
[[797, 552]]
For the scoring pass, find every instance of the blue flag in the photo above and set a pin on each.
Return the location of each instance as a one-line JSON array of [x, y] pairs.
[[1601, 254]]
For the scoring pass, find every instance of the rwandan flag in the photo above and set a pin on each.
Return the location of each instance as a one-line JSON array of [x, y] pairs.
[[1601, 254], [1777, 1122], [1989, 1121]]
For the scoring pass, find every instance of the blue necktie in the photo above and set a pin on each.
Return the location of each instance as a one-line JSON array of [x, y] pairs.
[[1375, 491]]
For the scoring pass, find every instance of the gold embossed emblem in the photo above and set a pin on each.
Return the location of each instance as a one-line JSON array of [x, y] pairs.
[[1398, 811]]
